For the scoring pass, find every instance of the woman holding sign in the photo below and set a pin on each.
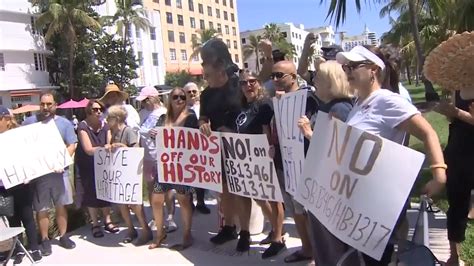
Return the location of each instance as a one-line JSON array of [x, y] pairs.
[[92, 133], [381, 112], [177, 116]]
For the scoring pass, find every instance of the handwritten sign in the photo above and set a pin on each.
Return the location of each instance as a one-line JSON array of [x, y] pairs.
[[118, 175], [249, 169], [187, 157], [31, 151], [354, 185], [288, 109]]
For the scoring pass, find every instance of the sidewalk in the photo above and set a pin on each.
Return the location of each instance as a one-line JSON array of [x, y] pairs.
[[109, 250]]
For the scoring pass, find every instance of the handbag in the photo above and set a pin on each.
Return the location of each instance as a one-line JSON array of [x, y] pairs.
[[6, 205]]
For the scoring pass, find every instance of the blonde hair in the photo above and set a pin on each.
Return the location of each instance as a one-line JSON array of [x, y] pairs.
[[260, 90], [339, 85], [118, 112], [169, 106]]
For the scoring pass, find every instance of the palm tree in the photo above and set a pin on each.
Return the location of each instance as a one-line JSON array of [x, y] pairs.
[[272, 32], [66, 17], [198, 41], [252, 48]]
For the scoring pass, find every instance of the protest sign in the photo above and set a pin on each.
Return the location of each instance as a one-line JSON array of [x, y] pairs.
[[288, 110], [187, 157], [118, 175], [249, 169], [31, 151], [352, 184]]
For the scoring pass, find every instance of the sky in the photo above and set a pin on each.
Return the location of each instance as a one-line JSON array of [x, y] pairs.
[[253, 14]]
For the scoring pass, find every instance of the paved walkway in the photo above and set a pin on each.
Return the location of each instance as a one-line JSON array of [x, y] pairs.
[[109, 250]]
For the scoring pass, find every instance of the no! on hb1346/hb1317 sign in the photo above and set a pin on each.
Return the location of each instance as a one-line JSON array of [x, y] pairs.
[[187, 157], [352, 184], [288, 109], [249, 170], [119, 175], [31, 151]]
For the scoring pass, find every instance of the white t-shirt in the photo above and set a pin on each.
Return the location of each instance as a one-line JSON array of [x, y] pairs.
[[381, 113], [404, 92]]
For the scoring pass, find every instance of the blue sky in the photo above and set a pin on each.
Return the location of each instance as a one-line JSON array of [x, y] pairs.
[[253, 14]]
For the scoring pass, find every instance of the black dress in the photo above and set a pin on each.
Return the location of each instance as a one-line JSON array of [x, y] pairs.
[[85, 176]]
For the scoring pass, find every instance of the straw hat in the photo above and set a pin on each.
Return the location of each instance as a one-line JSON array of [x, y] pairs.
[[450, 64], [111, 87]]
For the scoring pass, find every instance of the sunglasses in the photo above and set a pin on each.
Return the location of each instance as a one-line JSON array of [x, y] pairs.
[[176, 97], [97, 109], [355, 65], [192, 91], [278, 75], [250, 82]]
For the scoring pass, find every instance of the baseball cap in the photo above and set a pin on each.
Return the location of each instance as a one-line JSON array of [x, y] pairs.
[[146, 92], [358, 54], [4, 111], [329, 52]]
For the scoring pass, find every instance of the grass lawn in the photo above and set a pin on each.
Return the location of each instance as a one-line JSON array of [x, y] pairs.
[[440, 125]]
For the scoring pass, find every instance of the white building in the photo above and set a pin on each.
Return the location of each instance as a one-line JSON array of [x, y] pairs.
[[293, 34], [147, 46], [326, 35], [23, 72], [366, 38]]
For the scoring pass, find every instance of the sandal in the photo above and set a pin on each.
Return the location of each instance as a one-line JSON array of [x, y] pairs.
[[97, 231], [297, 256], [158, 244], [111, 228], [183, 246], [131, 235]]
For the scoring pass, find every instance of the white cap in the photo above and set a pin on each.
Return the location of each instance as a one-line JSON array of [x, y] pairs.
[[358, 54]]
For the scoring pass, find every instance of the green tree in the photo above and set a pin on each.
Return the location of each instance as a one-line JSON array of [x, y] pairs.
[[272, 33], [178, 79], [197, 41], [65, 18], [252, 48]]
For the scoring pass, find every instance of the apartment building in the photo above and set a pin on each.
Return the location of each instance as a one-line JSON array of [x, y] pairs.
[[366, 38], [183, 19]]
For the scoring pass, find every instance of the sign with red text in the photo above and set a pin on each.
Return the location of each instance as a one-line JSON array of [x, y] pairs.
[[288, 110], [356, 183], [187, 157], [119, 175], [249, 169], [31, 151]]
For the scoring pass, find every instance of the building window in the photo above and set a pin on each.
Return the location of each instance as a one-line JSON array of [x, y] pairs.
[[228, 43], [180, 20], [246, 65], [219, 28], [235, 44], [191, 5], [243, 40], [179, 4], [154, 57], [284, 34], [192, 21], [170, 36], [40, 62], [224, 2], [173, 54], [196, 58], [211, 25], [2, 62], [201, 9], [218, 13], [217, 1], [237, 58], [33, 26], [232, 18], [1, 101], [227, 29], [225, 16], [234, 31], [182, 37], [231, 3], [137, 33], [184, 55], [209, 11], [293, 35], [169, 18], [156, 1], [168, 2], [140, 58], [152, 33], [202, 25]]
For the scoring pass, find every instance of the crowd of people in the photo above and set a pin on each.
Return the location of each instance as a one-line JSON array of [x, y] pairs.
[[360, 87]]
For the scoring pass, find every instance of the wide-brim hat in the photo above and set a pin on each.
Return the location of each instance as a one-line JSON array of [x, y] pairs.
[[450, 63], [113, 88]]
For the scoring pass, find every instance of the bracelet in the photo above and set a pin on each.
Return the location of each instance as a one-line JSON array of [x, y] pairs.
[[439, 165]]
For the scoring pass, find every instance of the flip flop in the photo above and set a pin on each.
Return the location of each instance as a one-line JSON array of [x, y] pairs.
[[97, 231], [157, 245], [297, 257]]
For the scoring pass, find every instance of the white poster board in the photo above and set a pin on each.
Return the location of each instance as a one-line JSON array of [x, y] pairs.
[[288, 110], [187, 157], [119, 175], [31, 151], [249, 169], [356, 184]]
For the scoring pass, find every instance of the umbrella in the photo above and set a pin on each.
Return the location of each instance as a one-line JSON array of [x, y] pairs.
[[83, 102], [69, 105], [26, 108]]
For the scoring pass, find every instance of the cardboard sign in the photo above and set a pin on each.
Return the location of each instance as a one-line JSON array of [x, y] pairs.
[[356, 184], [29, 152], [187, 157], [118, 175], [249, 169], [288, 110]]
